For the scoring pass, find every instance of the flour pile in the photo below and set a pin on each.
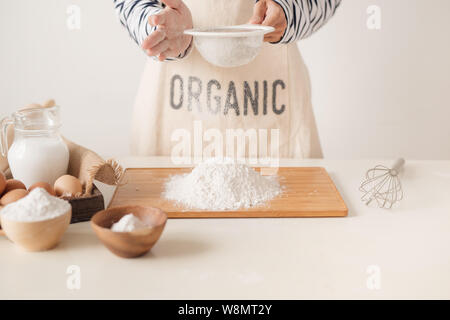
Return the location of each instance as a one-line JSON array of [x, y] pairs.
[[128, 223], [38, 205], [221, 185]]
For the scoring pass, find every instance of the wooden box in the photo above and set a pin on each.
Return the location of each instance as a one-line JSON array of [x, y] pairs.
[[84, 208]]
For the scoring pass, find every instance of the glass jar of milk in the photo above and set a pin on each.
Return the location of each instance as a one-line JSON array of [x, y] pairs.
[[37, 153]]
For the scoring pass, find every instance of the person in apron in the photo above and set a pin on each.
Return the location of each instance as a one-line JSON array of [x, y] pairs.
[[188, 107]]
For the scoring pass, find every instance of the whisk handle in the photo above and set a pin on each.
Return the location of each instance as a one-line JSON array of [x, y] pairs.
[[398, 164]]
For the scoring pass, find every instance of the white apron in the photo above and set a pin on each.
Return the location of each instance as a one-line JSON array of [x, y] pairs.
[[193, 104]]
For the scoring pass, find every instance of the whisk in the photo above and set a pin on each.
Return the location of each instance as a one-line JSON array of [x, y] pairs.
[[383, 185]]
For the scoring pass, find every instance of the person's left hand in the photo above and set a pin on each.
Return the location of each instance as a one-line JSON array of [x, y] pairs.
[[270, 13]]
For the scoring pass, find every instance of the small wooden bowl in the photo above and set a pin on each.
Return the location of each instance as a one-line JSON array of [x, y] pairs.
[[36, 235], [129, 244]]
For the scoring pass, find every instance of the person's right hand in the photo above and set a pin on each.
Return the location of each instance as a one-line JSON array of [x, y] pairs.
[[168, 39]]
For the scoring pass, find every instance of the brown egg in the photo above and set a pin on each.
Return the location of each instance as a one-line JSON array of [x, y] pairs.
[[13, 196], [13, 184], [43, 185], [2, 183], [68, 185]]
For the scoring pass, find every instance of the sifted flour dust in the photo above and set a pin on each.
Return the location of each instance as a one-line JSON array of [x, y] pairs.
[[221, 185]]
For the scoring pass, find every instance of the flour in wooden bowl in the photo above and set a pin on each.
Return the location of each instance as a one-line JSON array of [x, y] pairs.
[[221, 185], [38, 205]]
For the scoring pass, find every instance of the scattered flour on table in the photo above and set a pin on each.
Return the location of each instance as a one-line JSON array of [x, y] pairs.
[[128, 223], [221, 185], [38, 205]]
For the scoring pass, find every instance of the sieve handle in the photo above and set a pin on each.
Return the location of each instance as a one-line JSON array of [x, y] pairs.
[[398, 164]]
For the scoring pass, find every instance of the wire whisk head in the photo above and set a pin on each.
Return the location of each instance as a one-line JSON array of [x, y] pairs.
[[383, 185]]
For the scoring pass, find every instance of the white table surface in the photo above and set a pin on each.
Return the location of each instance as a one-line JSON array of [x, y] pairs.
[[263, 258]]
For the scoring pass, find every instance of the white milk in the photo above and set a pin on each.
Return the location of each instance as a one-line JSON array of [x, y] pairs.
[[38, 159]]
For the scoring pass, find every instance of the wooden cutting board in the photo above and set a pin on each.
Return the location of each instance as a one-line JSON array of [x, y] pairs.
[[308, 192]]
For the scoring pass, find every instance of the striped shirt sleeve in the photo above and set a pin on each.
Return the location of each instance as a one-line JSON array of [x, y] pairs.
[[304, 17], [134, 14]]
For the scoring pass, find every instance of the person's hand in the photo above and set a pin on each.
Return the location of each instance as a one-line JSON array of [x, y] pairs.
[[270, 13], [168, 39]]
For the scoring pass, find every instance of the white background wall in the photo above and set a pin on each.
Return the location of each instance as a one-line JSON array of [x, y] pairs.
[[376, 93]]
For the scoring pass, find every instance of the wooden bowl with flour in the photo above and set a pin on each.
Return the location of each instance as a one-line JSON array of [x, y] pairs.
[[36, 235], [134, 243]]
